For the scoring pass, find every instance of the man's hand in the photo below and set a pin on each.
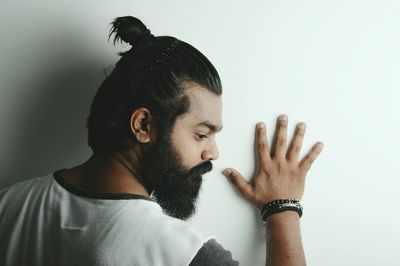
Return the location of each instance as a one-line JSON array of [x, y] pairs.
[[280, 174]]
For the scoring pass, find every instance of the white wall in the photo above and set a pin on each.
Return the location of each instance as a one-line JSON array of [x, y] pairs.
[[332, 64]]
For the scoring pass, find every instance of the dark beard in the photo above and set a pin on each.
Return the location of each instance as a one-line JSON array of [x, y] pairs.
[[175, 188]]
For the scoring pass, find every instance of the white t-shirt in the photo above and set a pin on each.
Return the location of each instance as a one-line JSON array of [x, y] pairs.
[[43, 223]]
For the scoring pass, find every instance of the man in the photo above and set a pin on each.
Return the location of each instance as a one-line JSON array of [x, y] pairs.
[[152, 128]]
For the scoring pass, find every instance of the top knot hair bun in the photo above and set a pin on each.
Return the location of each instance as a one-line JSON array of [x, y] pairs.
[[130, 30]]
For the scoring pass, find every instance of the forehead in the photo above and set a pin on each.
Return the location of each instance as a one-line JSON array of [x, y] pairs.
[[204, 107]]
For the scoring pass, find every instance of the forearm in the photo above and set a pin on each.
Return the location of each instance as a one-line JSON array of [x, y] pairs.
[[283, 238]]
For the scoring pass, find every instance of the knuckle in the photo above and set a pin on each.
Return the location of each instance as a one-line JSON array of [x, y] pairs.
[[296, 149], [258, 198], [279, 165], [281, 142], [313, 155], [303, 170], [264, 167], [233, 177], [308, 157], [261, 145], [307, 166], [246, 193], [308, 161]]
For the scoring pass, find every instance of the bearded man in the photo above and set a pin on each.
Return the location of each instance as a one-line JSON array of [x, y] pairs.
[[151, 127]]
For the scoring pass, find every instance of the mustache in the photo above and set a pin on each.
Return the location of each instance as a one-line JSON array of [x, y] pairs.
[[201, 168]]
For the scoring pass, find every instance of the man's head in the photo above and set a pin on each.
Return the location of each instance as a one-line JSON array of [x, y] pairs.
[[173, 166], [163, 100]]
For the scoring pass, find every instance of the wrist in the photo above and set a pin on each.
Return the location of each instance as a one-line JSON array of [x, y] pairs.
[[282, 217]]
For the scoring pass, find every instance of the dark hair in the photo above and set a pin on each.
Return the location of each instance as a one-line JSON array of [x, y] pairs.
[[152, 74]]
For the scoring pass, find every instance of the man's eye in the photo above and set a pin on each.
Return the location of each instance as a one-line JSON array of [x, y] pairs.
[[200, 136]]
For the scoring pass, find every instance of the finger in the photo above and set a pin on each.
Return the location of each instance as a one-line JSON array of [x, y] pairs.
[[261, 143], [281, 135], [240, 183], [296, 143], [308, 160]]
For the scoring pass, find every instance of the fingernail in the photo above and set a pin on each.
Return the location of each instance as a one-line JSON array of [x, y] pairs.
[[302, 125], [283, 117], [321, 145], [261, 125], [227, 171]]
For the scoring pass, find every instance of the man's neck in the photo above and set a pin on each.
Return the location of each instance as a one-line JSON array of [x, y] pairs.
[[107, 173]]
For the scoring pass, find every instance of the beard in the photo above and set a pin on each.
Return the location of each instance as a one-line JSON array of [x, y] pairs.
[[175, 187]]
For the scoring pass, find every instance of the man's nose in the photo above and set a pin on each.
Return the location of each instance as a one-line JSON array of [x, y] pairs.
[[211, 153]]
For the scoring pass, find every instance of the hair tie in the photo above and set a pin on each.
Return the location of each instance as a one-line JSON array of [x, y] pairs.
[[145, 35]]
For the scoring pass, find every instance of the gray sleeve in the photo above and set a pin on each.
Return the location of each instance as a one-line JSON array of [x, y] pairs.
[[213, 254]]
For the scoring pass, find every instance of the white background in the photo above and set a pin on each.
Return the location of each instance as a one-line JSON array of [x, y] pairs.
[[332, 64]]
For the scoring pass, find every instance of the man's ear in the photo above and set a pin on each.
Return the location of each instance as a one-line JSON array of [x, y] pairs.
[[142, 125]]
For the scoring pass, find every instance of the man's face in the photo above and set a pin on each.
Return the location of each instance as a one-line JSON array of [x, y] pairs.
[[174, 165]]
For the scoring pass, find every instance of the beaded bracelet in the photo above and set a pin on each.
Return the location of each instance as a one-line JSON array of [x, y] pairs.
[[281, 205]]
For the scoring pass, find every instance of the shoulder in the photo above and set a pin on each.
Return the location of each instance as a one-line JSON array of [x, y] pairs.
[[25, 189], [143, 227], [213, 254], [166, 228]]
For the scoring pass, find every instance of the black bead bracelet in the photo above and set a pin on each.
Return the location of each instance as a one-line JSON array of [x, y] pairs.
[[281, 205]]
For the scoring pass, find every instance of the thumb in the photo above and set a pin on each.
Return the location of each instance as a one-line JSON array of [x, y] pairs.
[[239, 181]]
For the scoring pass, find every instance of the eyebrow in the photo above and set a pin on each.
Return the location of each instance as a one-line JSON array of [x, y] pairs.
[[210, 125]]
